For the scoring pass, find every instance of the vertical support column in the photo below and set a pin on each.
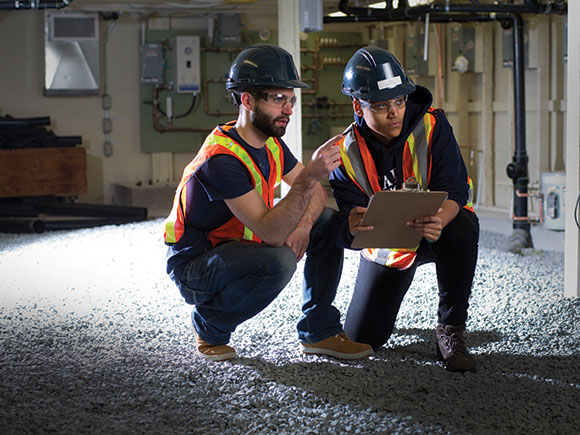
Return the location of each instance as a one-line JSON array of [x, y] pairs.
[[162, 167], [485, 184], [289, 39], [572, 240], [557, 88], [540, 132]]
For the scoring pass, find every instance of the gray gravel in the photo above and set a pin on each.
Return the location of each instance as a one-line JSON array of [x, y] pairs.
[[93, 340]]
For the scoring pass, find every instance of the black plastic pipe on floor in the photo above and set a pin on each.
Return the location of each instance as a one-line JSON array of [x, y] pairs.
[[21, 225]]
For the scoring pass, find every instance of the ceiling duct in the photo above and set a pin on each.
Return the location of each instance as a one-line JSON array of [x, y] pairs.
[[71, 53]]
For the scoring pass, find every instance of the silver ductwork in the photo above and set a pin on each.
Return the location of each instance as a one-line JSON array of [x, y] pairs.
[[71, 53]]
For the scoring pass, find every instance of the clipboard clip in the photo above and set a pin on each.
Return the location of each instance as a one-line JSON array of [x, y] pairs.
[[411, 184]]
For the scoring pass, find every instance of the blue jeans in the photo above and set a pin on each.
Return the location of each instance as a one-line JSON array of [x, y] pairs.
[[235, 281]]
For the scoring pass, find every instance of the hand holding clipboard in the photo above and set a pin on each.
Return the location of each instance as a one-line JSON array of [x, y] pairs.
[[389, 211]]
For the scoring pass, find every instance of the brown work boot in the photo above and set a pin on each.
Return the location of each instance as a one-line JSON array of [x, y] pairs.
[[451, 348], [220, 352], [338, 346]]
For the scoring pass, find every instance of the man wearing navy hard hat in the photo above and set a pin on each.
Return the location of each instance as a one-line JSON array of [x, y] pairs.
[[232, 250]]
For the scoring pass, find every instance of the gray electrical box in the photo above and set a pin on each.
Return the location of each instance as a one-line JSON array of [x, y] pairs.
[[414, 47], [152, 64], [311, 15], [463, 44], [508, 48], [229, 29]]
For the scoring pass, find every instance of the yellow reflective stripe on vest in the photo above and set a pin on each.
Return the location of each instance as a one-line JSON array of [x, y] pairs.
[[169, 227], [418, 143], [243, 155], [215, 140], [469, 204], [275, 150]]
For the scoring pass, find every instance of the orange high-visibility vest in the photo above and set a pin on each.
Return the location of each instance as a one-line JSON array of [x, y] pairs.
[[361, 169], [218, 142]]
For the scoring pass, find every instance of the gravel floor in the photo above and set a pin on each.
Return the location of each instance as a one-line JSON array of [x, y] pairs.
[[93, 340]]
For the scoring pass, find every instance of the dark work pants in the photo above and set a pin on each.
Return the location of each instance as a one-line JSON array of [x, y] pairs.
[[379, 290]]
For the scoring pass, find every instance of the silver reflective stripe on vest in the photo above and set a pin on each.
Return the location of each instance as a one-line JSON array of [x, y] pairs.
[[356, 160], [420, 152]]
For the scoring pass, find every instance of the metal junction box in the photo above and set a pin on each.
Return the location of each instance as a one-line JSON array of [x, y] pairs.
[[553, 187], [152, 64], [463, 44]]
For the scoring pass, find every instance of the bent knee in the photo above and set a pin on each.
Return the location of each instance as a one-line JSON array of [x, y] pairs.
[[282, 263]]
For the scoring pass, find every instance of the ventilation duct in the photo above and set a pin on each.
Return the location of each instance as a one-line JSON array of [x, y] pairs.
[[71, 53]]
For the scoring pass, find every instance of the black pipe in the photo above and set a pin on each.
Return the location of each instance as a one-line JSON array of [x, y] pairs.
[[69, 141], [403, 10], [26, 122], [518, 169], [21, 225], [433, 18], [92, 210], [559, 6], [13, 5], [75, 224]]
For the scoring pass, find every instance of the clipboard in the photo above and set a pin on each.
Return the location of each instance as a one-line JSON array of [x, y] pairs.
[[389, 210]]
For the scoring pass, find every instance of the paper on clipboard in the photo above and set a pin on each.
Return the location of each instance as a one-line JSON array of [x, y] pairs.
[[389, 211]]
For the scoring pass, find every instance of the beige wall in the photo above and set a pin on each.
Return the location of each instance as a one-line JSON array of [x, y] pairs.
[[479, 105], [21, 96]]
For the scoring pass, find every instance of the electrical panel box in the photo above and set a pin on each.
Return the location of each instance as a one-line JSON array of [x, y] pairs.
[[311, 16], [229, 29], [463, 44], [414, 62], [553, 187], [152, 64], [508, 48], [186, 60]]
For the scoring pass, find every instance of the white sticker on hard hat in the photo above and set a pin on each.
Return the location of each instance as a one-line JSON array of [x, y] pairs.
[[390, 80]]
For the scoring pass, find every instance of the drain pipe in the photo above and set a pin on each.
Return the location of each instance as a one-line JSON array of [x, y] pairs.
[[518, 169]]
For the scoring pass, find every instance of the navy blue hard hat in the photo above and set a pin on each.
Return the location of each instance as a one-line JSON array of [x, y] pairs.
[[375, 74], [263, 65]]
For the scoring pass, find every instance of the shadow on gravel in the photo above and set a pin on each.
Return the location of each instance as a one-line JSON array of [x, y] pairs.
[[507, 394]]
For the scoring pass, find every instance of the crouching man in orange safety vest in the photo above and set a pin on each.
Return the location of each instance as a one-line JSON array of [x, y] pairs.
[[397, 138], [231, 249]]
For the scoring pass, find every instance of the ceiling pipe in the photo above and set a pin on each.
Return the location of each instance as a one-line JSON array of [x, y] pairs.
[[15, 5], [404, 11]]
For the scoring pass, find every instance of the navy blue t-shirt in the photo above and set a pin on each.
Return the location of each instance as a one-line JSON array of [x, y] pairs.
[[219, 177]]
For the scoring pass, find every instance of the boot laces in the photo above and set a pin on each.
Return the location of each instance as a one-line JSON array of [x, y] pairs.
[[455, 341]]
